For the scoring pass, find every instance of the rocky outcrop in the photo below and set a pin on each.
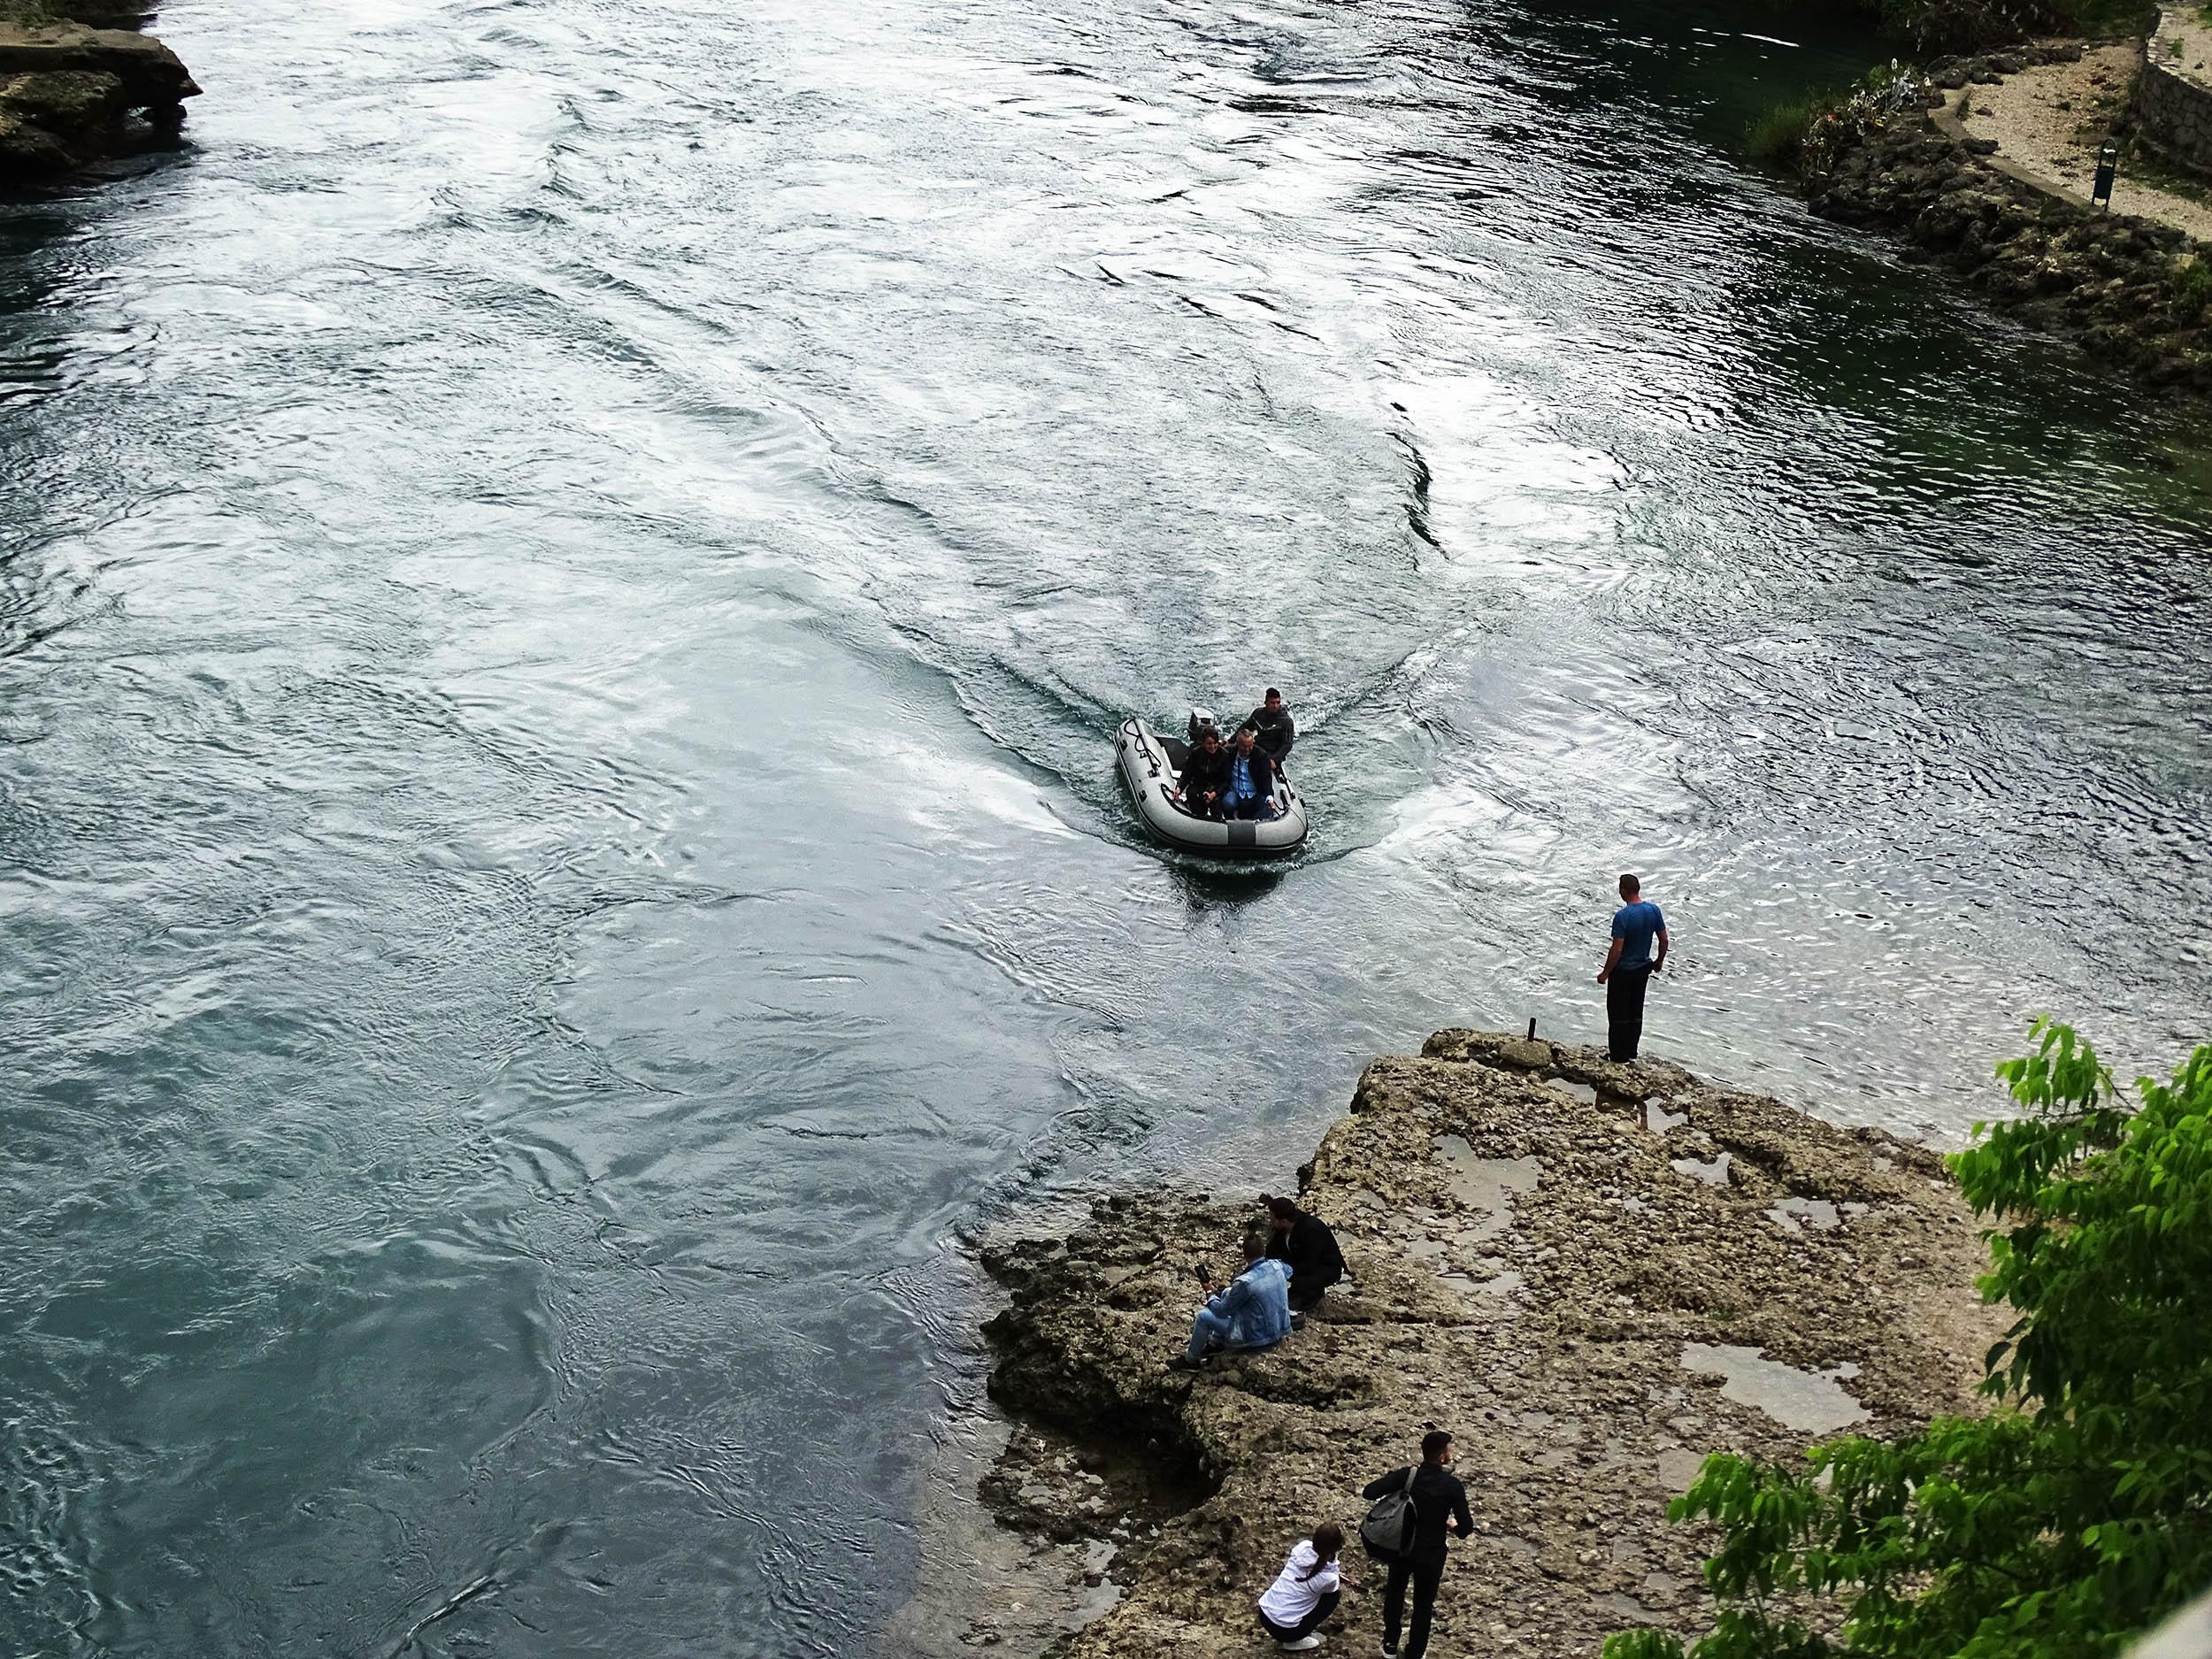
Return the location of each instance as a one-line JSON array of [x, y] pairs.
[[1990, 67], [2133, 292], [68, 93], [2121, 286], [1594, 1275]]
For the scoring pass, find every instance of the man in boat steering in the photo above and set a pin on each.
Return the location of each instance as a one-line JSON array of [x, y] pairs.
[[1275, 729]]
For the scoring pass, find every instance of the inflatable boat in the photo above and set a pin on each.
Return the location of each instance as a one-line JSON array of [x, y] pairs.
[[1152, 764]]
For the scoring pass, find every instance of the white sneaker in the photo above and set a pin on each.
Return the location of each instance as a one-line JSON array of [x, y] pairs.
[[1305, 1643]]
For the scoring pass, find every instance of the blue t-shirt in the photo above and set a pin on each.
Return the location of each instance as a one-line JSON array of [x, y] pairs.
[[1638, 924], [1241, 778]]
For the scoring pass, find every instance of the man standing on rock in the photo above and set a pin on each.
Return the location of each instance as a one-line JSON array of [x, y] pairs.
[[1440, 1501], [1628, 968]]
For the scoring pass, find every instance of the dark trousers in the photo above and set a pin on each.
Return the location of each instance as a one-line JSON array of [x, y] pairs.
[[1426, 1575], [1305, 1626], [1253, 806], [1305, 1299], [1625, 1011]]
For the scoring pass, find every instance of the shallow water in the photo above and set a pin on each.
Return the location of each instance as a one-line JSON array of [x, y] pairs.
[[567, 573], [1810, 1402]]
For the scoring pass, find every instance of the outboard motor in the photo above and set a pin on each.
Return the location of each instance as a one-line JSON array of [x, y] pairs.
[[1201, 720]]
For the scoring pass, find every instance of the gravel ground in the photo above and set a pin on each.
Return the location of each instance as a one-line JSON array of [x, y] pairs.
[[2186, 25], [2050, 120]]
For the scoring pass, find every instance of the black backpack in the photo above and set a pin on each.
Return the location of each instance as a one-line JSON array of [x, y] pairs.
[[1388, 1532]]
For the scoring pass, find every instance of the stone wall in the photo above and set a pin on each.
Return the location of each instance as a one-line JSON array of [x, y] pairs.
[[2172, 109]]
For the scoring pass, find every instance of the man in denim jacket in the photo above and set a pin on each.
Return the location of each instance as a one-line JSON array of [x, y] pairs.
[[1252, 1311]]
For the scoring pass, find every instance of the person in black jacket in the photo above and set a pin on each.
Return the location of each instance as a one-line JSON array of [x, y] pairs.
[[1205, 775], [1277, 730], [1307, 1244], [1439, 1502]]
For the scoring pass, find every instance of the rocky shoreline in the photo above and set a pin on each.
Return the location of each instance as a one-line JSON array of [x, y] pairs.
[[2132, 291], [78, 84], [1593, 1274]]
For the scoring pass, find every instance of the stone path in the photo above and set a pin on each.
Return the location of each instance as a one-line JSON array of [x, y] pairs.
[[2048, 121], [2186, 26]]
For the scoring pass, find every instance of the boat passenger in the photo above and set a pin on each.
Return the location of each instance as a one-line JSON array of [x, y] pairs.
[[1306, 1243], [1205, 775], [1277, 730], [1252, 1311], [1251, 792]]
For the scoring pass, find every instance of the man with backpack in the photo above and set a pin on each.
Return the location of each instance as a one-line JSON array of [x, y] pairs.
[[1414, 1507]]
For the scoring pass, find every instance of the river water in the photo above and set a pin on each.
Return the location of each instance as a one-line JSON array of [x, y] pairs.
[[566, 571]]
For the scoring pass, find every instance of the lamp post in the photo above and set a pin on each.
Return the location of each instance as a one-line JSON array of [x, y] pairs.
[[2108, 163]]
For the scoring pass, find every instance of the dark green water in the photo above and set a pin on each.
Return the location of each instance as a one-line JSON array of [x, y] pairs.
[[566, 571]]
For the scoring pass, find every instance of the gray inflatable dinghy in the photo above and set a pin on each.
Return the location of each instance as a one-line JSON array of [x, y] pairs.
[[1151, 764]]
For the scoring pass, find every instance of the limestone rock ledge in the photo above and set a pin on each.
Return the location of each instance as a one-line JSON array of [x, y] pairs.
[[1593, 1274], [67, 93]]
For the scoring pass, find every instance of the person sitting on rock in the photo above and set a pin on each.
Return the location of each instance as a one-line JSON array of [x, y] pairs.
[[1277, 730], [1253, 1311], [1205, 786], [1305, 1242], [1306, 1591], [1251, 792]]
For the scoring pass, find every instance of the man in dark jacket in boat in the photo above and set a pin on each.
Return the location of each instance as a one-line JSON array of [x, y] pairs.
[[1205, 789], [1307, 1244], [1251, 791], [1275, 729]]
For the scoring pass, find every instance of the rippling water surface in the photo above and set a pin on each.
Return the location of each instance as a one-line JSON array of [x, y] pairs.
[[566, 571]]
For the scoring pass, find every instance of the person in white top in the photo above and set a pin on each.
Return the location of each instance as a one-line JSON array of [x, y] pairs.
[[1305, 1591]]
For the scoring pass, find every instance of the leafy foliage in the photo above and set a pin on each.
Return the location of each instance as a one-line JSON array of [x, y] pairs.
[[1962, 25], [1808, 134], [2190, 282], [2078, 1511], [1777, 135]]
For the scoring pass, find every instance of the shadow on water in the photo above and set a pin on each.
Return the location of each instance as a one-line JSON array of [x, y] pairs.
[[140, 151], [1204, 883]]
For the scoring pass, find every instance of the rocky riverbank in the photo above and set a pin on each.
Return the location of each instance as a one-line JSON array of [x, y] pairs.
[[1593, 1274], [2132, 291], [78, 82]]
